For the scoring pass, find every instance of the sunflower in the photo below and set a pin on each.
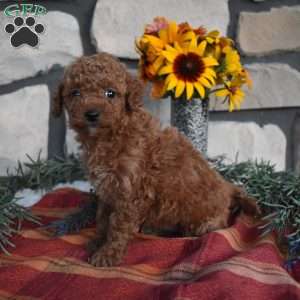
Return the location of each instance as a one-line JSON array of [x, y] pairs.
[[232, 93], [187, 68], [184, 61], [156, 37], [217, 44], [232, 63], [244, 76], [150, 62], [213, 37], [168, 36]]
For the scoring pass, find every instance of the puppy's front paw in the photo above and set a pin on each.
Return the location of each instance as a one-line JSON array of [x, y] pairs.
[[105, 257], [93, 245]]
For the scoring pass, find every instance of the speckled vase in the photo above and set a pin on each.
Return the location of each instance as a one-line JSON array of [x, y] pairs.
[[191, 118]]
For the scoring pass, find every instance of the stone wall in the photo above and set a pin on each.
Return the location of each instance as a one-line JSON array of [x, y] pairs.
[[267, 34]]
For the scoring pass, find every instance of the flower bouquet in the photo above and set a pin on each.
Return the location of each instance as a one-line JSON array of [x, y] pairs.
[[190, 64]]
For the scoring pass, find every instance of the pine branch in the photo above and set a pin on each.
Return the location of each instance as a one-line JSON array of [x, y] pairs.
[[278, 195], [11, 217], [34, 174]]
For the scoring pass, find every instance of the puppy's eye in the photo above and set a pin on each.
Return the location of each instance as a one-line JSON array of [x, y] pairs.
[[109, 93], [75, 93]]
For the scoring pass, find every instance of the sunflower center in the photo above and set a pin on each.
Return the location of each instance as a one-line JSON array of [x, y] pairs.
[[188, 67], [233, 89]]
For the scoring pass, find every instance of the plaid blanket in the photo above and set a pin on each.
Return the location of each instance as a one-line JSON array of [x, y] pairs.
[[226, 264]]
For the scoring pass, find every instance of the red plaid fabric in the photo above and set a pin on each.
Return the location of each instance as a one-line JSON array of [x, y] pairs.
[[233, 263]]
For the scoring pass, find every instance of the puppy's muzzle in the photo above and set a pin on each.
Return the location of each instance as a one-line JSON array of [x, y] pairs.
[[92, 116]]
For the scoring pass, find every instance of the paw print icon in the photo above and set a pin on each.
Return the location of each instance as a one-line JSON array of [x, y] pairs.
[[24, 32]]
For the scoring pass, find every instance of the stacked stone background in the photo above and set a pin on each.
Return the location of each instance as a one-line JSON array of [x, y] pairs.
[[267, 34]]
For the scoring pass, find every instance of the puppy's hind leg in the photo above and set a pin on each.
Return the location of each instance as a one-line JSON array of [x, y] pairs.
[[210, 225], [245, 203]]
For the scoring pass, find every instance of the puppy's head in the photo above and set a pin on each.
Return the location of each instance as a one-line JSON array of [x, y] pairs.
[[97, 92]]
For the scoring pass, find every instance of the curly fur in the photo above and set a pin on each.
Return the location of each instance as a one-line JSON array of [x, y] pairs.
[[144, 175]]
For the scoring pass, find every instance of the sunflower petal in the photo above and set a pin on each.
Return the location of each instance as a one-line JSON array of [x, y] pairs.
[[239, 95], [200, 89], [210, 78], [217, 52], [163, 35], [188, 36], [189, 90], [237, 103], [231, 105], [211, 72], [171, 81], [193, 44], [158, 62], [222, 93], [210, 40], [214, 33], [170, 77], [170, 56], [166, 70], [172, 31], [179, 88], [154, 41], [171, 49], [204, 82], [178, 48], [201, 48], [210, 61]]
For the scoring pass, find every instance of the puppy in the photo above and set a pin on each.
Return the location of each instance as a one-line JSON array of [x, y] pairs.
[[143, 174]]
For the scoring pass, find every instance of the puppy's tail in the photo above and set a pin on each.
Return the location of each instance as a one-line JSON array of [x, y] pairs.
[[245, 203]]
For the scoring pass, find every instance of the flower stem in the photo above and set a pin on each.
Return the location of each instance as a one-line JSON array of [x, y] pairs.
[[216, 90]]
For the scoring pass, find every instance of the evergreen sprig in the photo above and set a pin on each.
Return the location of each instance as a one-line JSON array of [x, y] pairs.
[[43, 174], [278, 195], [11, 217], [34, 174]]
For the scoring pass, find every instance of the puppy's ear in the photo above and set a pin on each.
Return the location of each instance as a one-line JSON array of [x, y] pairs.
[[134, 94], [57, 103]]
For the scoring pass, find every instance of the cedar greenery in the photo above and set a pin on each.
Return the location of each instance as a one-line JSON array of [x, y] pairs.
[[11, 217], [34, 174], [278, 195]]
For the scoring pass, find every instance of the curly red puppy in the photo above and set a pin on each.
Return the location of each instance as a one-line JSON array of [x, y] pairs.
[[142, 173]]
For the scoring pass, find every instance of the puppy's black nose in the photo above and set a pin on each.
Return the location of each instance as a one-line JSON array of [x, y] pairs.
[[92, 115]]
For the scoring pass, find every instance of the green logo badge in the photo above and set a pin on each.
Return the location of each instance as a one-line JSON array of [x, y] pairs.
[[24, 30], [16, 10]]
